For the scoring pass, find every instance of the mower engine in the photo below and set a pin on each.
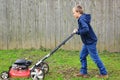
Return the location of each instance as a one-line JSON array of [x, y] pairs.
[[20, 69]]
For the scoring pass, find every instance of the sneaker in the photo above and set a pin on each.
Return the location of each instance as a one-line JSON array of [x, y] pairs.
[[82, 75], [102, 76]]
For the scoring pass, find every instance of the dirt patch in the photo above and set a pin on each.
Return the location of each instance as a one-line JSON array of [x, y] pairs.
[[68, 72]]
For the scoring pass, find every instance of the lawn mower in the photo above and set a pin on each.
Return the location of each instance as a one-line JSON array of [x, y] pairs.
[[20, 68]]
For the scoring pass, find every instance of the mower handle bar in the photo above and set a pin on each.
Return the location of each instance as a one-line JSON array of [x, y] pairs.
[[55, 49]]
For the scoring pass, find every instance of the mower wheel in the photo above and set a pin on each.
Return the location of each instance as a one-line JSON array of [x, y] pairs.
[[37, 74], [45, 67], [5, 75]]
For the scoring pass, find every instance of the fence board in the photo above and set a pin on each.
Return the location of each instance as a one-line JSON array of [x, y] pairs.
[[3, 28], [117, 23]]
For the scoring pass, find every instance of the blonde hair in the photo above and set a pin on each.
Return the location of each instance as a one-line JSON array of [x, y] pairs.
[[79, 9]]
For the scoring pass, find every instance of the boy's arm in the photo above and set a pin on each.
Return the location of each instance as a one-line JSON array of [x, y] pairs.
[[84, 28]]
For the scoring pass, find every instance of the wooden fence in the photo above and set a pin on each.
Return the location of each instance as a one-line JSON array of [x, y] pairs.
[[45, 23]]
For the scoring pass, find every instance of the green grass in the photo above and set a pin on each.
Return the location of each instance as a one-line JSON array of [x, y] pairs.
[[63, 64]]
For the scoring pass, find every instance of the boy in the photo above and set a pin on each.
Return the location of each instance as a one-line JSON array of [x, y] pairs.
[[89, 40]]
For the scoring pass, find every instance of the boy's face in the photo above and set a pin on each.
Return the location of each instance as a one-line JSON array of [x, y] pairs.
[[75, 14]]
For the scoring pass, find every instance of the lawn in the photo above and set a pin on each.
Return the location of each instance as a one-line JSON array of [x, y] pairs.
[[63, 64]]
